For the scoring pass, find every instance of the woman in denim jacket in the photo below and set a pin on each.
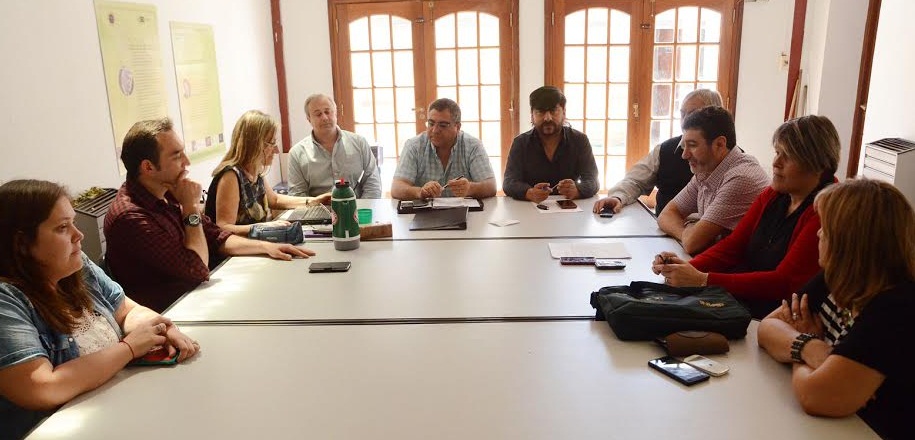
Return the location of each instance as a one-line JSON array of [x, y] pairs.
[[65, 327]]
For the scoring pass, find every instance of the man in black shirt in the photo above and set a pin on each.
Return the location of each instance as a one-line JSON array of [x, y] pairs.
[[552, 157]]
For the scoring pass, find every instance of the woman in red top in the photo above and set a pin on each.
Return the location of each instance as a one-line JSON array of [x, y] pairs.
[[773, 250]]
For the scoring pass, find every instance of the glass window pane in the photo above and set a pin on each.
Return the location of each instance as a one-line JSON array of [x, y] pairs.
[[710, 26], [367, 131], [406, 101], [361, 71], [492, 137], [708, 63], [616, 168], [596, 101], [575, 100], [660, 100], [686, 63], [664, 26], [386, 134], [687, 21], [683, 89], [402, 33], [597, 64], [619, 27], [600, 170], [404, 132], [467, 29], [616, 137], [618, 102], [595, 131], [446, 92], [381, 32], [467, 66], [489, 30], [384, 104], [660, 131], [472, 128], [469, 100], [382, 68], [359, 34], [490, 107], [576, 124], [489, 66], [445, 68], [574, 72], [363, 106], [662, 69], [444, 32], [496, 163], [619, 63], [403, 68], [597, 25], [710, 86], [575, 28]]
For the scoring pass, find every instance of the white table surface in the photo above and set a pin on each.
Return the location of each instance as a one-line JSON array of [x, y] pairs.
[[633, 221], [527, 380], [415, 280]]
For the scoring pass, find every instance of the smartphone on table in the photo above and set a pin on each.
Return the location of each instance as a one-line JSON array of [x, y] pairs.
[[331, 266], [707, 365], [604, 264], [566, 204], [576, 261], [678, 370], [157, 356], [606, 212]]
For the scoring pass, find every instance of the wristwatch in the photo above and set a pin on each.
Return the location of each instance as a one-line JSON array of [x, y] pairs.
[[192, 220]]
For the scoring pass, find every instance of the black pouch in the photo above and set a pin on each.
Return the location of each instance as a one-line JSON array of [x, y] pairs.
[[278, 234], [643, 311]]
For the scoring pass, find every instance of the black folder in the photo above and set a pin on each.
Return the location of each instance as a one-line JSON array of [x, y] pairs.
[[440, 219]]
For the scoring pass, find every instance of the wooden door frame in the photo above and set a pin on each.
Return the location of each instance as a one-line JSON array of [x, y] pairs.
[[864, 84]]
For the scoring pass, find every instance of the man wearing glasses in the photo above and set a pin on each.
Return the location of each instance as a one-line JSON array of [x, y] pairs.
[[444, 161], [552, 157], [330, 153]]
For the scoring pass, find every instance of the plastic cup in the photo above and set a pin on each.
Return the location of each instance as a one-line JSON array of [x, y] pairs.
[[364, 215]]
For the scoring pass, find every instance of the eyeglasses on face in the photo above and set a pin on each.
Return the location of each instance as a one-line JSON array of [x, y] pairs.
[[442, 125], [269, 145]]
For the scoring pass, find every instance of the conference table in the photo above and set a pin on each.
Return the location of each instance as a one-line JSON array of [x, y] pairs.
[[633, 221], [492, 380], [415, 280], [478, 333]]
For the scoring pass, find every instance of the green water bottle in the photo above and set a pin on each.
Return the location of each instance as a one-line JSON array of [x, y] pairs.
[[346, 223]]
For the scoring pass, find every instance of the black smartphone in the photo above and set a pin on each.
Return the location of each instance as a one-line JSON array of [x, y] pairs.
[[576, 261], [566, 204], [678, 370], [606, 212], [333, 266], [609, 264]]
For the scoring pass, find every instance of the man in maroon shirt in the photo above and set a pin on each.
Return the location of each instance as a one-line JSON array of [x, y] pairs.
[[159, 245]]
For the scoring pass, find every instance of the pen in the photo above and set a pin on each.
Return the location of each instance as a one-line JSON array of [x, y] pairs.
[[449, 183]]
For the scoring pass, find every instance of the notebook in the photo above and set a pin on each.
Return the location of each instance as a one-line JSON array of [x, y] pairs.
[[440, 219], [310, 215]]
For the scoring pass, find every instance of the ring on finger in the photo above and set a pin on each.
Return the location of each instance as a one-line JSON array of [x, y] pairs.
[[794, 316]]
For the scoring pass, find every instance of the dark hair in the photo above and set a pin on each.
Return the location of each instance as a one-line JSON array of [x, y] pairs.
[[545, 98], [24, 205], [442, 104], [140, 144], [713, 122]]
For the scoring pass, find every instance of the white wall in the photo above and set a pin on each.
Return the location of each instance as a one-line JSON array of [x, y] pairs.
[[892, 91], [54, 115], [762, 80]]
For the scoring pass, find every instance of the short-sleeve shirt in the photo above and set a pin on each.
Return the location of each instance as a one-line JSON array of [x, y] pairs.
[[24, 336], [880, 338], [419, 163], [723, 196]]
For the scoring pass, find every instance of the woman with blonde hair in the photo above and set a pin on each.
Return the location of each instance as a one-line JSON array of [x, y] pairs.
[[65, 327], [848, 333], [773, 250], [238, 196]]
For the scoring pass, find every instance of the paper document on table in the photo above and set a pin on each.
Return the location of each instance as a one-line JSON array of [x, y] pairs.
[[501, 223], [614, 250], [455, 202]]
